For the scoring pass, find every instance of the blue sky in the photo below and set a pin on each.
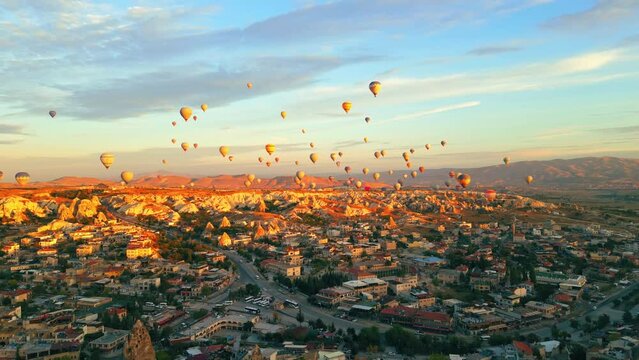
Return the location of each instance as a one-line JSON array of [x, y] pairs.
[[529, 79]]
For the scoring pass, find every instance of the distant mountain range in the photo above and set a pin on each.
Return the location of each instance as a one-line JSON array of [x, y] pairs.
[[591, 172]]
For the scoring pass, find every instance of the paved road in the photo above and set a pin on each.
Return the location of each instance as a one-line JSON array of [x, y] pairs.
[[249, 274]]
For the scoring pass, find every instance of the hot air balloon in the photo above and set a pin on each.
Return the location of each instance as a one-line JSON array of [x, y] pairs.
[[270, 148], [427, 146], [195, 145], [224, 150], [204, 107], [231, 157], [398, 186], [405, 176], [529, 179], [126, 176], [406, 156], [300, 174], [297, 162], [303, 131], [443, 142], [174, 123], [163, 161], [333, 156], [185, 146], [447, 183], [413, 174], [1, 175], [390, 172], [260, 159], [506, 160], [249, 85], [365, 171], [451, 174], [259, 181], [464, 180], [422, 169], [22, 178], [383, 152], [313, 185], [52, 113], [358, 184], [194, 117], [312, 145], [347, 169], [283, 115], [338, 163], [107, 159], [377, 154], [268, 164], [173, 140], [340, 154], [277, 159], [247, 183], [250, 177], [346, 105], [408, 164], [490, 194], [186, 112], [297, 180], [367, 119], [331, 178], [412, 151], [375, 87], [314, 157], [376, 176], [365, 139]]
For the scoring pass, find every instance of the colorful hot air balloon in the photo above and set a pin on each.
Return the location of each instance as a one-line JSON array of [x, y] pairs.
[[506, 160], [427, 146], [107, 159], [312, 145], [365, 170], [283, 115], [174, 123], [300, 174], [313, 185], [333, 156], [247, 183], [377, 154], [303, 131], [314, 157], [358, 184], [331, 178], [173, 140], [195, 145], [186, 112], [1, 175], [277, 159], [249, 85], [270, 148], [398, 186], [52, 113], [204, 107], [443, 142], [413, 174], [194, 117], [406, 156], [347, 169], [268, 164], [126, 176], [529, 179], [375, 87], [464, 180], [383, 152], [297, 162], [451, 174], [259, 181], [365, 139], [390, 172], [231, 157], [422, 169], [22, 178], [490, 194], [260, 159], [412, 151], [185, 146], [163, 161], [376, 176], [346, 105], [338, 163], [224, 150], [340, 154], [367, 119]]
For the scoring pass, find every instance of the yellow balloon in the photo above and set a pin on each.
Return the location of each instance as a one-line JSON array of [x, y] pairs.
[[126, 176], [314, 157], [250, 177], [249, 85], [185, 146], [224, 150], [300, 174], [270, 148], [376, 176], [186, 112], [22, 178], [283, 115], [107, 159], [529, 179], [204, 107], [406, 156], [347, 105], [375, 87], [365, 171], [365, 139], [247, 183]]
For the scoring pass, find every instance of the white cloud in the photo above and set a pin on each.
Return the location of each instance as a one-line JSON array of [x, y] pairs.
[[437, 110]]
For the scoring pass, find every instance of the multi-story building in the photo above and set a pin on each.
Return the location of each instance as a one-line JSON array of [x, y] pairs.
[[424, 320]]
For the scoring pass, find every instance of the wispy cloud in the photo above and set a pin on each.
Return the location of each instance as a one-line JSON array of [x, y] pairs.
[[493, 50], [434, 111], [625, 130], [602, 15]]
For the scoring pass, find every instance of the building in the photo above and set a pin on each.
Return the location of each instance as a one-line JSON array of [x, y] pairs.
[[145, 284], [449, 276], [277, 267], [546, 310], [429, 321], [111, 344], [209, 325]]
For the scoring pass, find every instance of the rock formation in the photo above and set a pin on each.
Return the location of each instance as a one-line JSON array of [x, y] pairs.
[[138, 345]]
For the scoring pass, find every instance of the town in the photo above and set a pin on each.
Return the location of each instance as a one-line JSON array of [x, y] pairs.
[[122, 273]]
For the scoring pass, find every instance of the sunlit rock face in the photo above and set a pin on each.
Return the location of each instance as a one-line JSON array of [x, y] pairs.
[[18, 209]]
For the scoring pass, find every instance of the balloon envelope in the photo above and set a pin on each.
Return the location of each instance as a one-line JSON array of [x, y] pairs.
[[224, 150], [107, 159], [186, 112], [204, 107], [126, 176], [22, 178], [346, 105], [270, 148], [52, 113], [375, 87]]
